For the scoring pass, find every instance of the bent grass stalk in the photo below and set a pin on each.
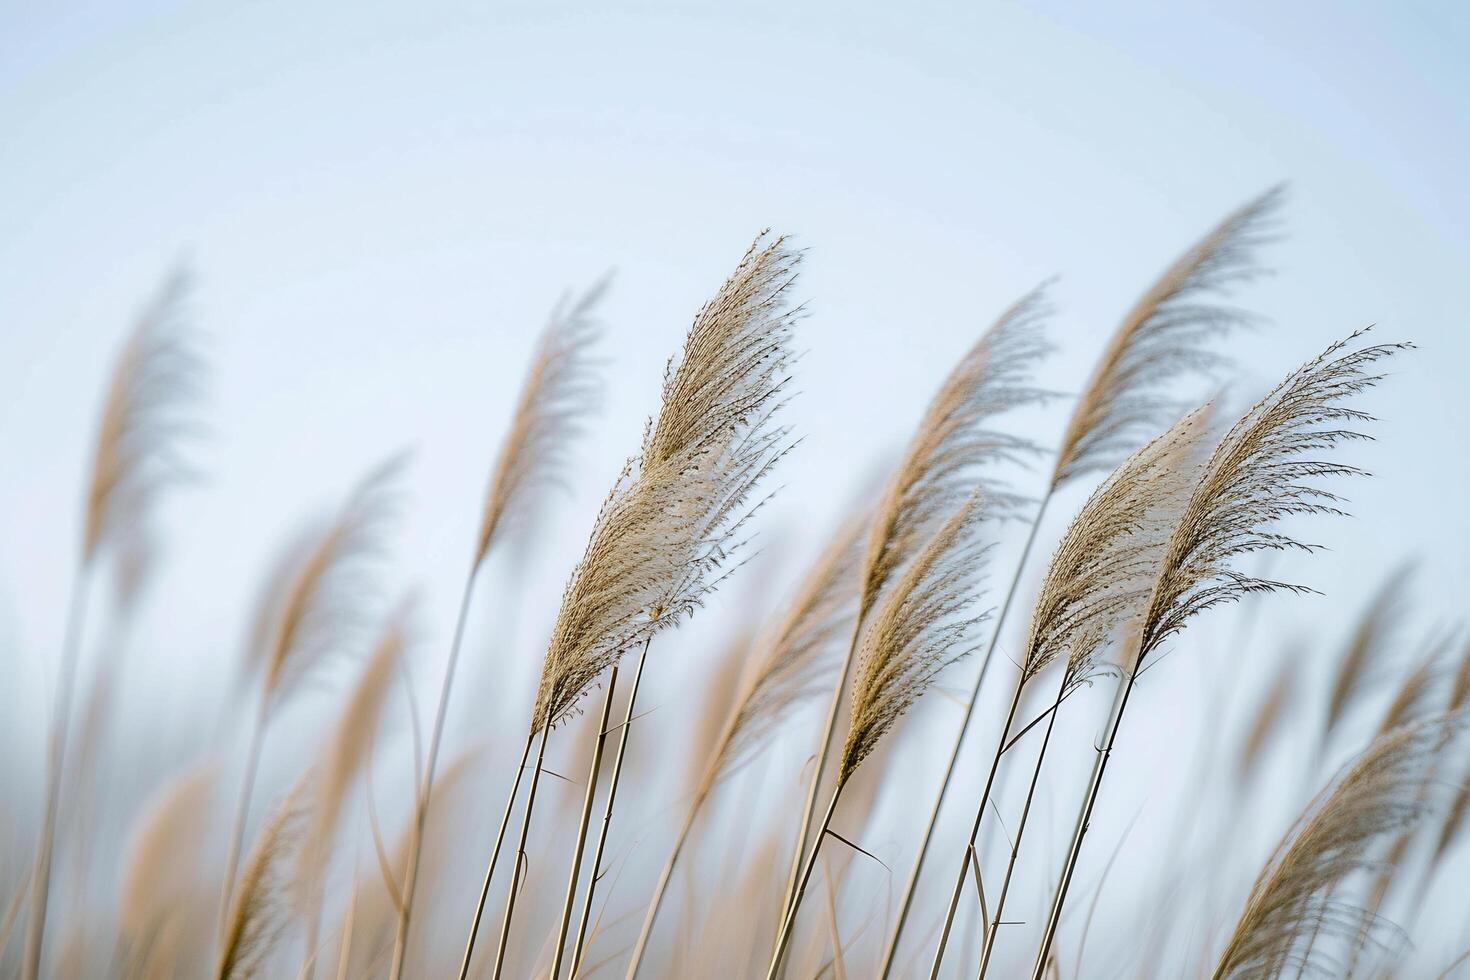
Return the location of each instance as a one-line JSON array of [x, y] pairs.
[[829, 730], [55, 760], [906, 901], [584, 822], [959, 885], [1005, 885], [520, 858], [425, 788], [510, 801], [242, 813], [783, 938], [579, 949]]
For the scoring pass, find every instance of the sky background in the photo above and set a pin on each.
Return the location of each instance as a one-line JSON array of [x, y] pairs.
[[382, 202]]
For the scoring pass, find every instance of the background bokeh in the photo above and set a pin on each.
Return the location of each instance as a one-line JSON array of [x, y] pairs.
[[381, 203]]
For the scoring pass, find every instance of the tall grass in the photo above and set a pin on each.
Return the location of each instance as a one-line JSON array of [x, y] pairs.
[[681, 835]]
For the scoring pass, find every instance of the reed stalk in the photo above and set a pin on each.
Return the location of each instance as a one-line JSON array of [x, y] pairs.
[[1005, 885], [1084, 818], [959, 885], [422, 796], [906, 901], [829, 730], [515, 878], [783, 939], [579, 948], [242, 813], [469, 948], [661, 888], [585, 821], [55, 762]]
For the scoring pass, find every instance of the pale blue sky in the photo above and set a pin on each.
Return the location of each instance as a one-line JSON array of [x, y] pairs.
[[382, 201]]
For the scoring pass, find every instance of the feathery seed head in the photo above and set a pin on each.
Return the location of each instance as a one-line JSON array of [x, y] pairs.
[[918, 629], [1162, 337]]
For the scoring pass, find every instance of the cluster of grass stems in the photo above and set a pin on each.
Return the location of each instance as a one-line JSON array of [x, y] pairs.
[[1183, 500]]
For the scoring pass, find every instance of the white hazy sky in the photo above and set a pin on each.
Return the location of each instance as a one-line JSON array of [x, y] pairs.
[[381, 202]]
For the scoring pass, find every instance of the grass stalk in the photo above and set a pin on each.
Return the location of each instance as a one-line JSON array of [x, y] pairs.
[[579, 948], [663, 881], [1005, 886], [959, 885], [56, 759], [421, 800], [907, 900], [520, 857], [829, 732], [584, 822], [242, 813], [510, 803], [1084, 817], [783, 939]]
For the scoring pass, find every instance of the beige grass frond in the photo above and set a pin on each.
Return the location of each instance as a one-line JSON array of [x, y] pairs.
[[168, 847], [1371, 639], [1291, 920], [1416, 695], [328, 578], [735, 360], [1270, 713], [795, 660], [955, 443], [1162, 337], [918, 629], [347, 752], [1266, 468], [1102, 571], [145, 421], [261, 910], [559, 390], [675, 517]]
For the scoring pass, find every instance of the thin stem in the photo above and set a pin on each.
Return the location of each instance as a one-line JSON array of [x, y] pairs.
[[808, 809], [510, 801], [959, 884], [344, 952], [578, 949], [586, 820], [1084, 816], [56, 759], [1005, 885], [515, 877], [242, 812], [663, 880], [784, 939], [907, 900], [421, 800]]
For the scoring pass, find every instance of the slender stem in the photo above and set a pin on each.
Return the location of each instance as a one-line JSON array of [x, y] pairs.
[[344, 951], [784, 939], [510, 801], [586, 820], [515, 877], [663, 880], [1005, 885], [959, 884], [907, 900], [1084, 816], [578, 949], [56, 759], [242, 812], [829, 729], [421, 799], [313, 936]]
